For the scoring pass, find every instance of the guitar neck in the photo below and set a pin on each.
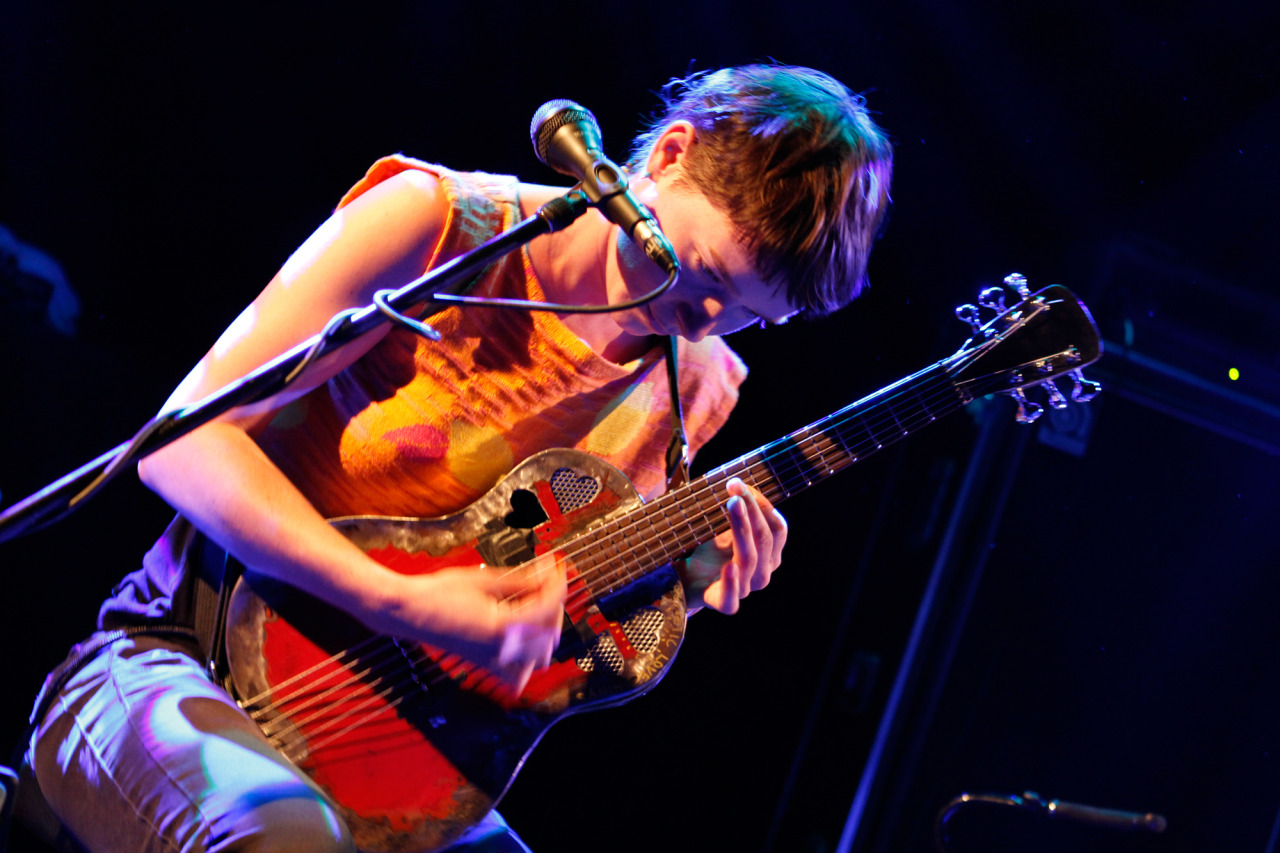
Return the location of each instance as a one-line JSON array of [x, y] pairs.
[[620, 552]]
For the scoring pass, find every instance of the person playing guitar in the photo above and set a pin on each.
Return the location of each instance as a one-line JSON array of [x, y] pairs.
[[771, 183]]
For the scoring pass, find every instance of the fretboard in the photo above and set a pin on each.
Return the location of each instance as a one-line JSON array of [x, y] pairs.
[[617, 553]]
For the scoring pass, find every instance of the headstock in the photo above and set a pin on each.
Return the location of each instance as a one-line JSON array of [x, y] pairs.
[[1044, 335]]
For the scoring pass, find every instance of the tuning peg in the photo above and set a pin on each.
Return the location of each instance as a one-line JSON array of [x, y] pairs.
[[969, 314], [1082, 390], [1028, 412], [993, 298], [1056, 398], [1018, 282]]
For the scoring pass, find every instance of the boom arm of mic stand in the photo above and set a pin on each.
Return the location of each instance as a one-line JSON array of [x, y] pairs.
[[56, 500]]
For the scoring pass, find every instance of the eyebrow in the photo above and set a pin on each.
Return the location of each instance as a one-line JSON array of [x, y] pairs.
[[718, 267]]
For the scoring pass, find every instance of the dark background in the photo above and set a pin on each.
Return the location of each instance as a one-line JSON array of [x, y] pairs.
[[1101, 624]]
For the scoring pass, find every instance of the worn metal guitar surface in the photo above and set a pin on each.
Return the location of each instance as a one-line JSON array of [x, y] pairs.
[[413, 745]]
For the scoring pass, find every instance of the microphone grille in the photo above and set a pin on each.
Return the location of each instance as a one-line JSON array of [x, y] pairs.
[[552, 116]]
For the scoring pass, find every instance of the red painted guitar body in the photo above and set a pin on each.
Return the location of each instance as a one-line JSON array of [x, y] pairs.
[[413, 746]]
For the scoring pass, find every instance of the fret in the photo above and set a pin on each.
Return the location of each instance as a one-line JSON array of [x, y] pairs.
[[924, 407], [843, 434], [888, 405], [822, 447], [838, 435], [789, 466], [681, 514], [879, 440]]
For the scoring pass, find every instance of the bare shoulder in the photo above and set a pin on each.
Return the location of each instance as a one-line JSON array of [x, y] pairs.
[[416, 197], [382, 239]]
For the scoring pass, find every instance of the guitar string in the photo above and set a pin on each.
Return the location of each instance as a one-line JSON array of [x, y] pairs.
[[408, 680], [813, 442], [806, 440], [280, 740], [319, 688], [696, 507], [439, 675], [336, 658], [305, 739], [776, 479], [437, 665]]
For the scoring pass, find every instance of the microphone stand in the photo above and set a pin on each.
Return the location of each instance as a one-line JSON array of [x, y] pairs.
[[60, 498], [1112, 819]]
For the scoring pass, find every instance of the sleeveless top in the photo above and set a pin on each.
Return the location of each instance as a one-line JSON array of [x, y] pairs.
[[423, 428]]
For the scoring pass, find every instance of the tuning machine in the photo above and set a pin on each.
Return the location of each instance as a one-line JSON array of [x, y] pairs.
[[1018, 283], [1028, 412], [1056, 398], [1083, 390], [969, 313], [993, 298]]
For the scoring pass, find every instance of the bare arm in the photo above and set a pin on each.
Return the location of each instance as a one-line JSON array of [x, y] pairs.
[[221, 480]]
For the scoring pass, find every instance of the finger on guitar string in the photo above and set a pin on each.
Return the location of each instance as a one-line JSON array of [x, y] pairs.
[[531, 640], [748, 552], [760, 532]]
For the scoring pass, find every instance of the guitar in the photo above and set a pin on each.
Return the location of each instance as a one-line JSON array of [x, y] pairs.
[[414, 745]]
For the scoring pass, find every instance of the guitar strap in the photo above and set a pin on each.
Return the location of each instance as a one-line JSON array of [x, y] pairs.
[[678, 448]]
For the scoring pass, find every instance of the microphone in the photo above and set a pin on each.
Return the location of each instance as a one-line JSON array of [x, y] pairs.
[[1102, 818], [566, 137], [1105, 818]]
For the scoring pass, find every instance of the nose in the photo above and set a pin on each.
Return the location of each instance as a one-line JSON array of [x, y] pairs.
[[700, 320]]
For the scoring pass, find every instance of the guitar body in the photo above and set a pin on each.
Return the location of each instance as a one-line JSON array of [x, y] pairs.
[[415, 746]]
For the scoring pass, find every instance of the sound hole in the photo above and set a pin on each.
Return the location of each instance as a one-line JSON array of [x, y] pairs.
[[526, 512], [571, 491]]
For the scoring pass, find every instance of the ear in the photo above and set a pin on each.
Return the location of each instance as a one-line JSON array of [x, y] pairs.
[[671, 148]]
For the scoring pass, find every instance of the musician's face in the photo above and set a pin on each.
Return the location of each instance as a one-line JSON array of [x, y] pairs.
[[718, 291]]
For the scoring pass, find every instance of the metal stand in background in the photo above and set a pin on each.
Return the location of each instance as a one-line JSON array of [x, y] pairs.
[[995, 456], [58, 499], [1112, 819]]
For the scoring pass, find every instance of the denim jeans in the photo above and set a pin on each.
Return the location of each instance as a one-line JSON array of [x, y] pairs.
[[141, 751]]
